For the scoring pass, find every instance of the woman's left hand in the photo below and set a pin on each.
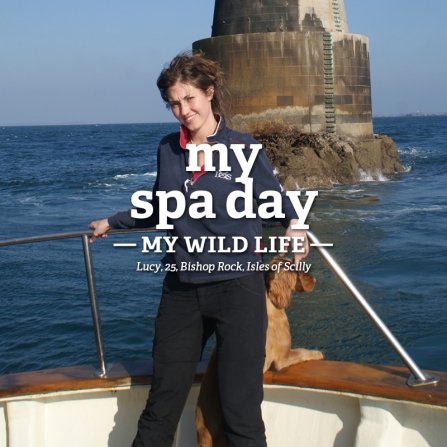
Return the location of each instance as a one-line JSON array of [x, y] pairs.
[[290, 232]]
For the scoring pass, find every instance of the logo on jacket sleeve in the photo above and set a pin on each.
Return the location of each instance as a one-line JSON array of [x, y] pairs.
[[224, 175]]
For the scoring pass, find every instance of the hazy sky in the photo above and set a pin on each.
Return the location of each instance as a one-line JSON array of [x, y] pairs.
[[96, 61]]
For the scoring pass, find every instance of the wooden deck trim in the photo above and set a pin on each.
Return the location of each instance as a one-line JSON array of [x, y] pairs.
[[370, 380], [380, 381]]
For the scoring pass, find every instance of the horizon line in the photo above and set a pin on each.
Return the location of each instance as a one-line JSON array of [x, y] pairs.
[[81, 123]]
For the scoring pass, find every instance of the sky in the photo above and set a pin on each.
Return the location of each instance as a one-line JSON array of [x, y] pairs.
[[97, 61]]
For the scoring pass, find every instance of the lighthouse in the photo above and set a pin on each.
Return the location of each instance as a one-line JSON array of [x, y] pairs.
[[294, 62]]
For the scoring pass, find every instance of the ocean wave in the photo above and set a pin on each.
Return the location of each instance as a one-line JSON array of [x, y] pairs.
[[428, 209], [415, 151], [383, 216], [352, 191], [146, 174], [372, 176], [33, 201], [409, 150]]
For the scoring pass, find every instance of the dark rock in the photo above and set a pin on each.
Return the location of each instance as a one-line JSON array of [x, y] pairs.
[[319, 160]]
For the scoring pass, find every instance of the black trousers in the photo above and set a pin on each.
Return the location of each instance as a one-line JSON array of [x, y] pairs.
[[188, 314]]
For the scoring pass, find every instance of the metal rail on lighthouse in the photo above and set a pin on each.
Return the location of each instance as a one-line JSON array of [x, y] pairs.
[[417, 378]]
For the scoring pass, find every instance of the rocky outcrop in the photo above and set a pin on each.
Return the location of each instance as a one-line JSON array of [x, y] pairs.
[[319, 160]]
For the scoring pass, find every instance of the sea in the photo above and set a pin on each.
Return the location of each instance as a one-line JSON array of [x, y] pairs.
[[389, 234]]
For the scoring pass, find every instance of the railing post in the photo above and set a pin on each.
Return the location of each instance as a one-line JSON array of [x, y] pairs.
[[418, 377], [103, 366]]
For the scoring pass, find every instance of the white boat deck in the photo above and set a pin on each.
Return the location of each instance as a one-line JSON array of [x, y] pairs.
[[313, 404]]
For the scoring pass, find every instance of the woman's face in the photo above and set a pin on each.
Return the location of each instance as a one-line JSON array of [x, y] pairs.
[[192, 108]]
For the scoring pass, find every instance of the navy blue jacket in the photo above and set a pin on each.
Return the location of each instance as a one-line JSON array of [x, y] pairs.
[[172, 175]]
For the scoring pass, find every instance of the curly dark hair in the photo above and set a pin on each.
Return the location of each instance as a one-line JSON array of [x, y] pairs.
[[197, 70]]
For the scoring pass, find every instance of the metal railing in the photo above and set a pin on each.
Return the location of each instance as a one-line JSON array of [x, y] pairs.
[[417, 378], [104, 367]]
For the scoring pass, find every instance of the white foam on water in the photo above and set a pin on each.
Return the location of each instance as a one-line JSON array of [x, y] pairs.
[[382, 178], [146, 174], [409, 150], [34, 201], [428, 209], [372, 176]]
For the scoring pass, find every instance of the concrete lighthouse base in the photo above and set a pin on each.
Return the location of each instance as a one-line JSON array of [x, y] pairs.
[[315, 81]]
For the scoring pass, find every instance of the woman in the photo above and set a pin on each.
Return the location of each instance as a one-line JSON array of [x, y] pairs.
[[230, 301]]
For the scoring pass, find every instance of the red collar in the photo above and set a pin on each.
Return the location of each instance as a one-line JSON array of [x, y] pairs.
[[184, 132], [197, 174], [184, 136], [185, 139]]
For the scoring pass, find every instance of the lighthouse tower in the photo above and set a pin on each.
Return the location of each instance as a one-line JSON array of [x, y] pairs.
[[293, 61]]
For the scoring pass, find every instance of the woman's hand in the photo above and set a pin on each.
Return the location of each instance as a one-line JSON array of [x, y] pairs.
[[290, 232], [100, 227]]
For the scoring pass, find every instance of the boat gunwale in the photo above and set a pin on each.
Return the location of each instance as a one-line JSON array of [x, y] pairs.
[[378, 381]]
